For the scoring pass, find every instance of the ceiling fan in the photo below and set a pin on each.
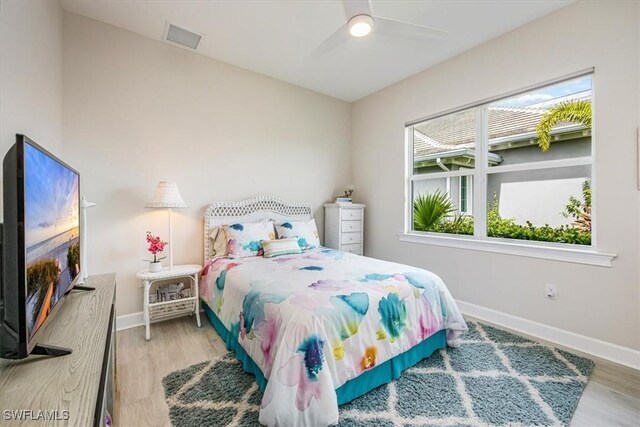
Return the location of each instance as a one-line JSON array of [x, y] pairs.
[[361, 22]]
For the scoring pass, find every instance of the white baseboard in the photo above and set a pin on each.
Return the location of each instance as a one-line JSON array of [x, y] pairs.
[[131, 320], [602, 349]]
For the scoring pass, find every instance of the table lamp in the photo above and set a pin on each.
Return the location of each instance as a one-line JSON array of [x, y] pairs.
[[167, 196]]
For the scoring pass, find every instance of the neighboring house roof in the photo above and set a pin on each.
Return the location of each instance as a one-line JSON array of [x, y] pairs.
[[457, 131]]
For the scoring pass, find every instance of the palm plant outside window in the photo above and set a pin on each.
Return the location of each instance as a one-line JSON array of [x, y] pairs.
[[515, 168]]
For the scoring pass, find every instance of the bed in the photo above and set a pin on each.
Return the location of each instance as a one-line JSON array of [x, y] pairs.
[[320, 328]]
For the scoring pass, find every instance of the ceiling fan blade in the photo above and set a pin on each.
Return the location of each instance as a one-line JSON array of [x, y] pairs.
[[339, 37], [405, 30], [356, 7]]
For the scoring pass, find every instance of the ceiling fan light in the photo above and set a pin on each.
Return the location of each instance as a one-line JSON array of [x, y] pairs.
[[360, 25]]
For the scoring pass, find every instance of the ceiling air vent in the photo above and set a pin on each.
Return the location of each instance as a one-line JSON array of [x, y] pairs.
[[182, 37]]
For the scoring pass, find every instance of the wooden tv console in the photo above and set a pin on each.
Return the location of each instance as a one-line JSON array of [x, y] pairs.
[[73, 390]]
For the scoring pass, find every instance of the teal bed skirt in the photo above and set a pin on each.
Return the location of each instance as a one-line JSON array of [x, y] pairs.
[[365, 382]]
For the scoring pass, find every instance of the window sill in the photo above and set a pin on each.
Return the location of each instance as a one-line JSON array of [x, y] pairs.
[[554, 253]]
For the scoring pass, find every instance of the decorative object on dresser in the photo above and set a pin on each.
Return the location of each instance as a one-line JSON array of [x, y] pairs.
[[346, 198], [78, 390], [159, 305], [344, 227], [168, 196]]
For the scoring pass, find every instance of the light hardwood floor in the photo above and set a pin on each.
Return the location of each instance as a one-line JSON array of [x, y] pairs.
[[611, 398]]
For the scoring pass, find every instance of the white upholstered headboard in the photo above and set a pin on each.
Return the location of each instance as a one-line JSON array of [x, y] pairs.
[[251, 210]]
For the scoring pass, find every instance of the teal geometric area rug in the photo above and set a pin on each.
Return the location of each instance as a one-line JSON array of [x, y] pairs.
[[493, 378]]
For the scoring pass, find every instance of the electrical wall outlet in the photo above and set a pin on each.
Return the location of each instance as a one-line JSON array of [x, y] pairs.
[[550, 291]]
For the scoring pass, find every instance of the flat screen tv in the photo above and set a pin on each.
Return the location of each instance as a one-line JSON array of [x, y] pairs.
[[40, 245]]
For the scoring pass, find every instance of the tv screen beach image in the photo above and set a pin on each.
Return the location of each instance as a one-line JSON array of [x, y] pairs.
[[52, 233]]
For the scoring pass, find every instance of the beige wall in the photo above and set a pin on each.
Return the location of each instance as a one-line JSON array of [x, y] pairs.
[[598, 302], [30, 74], [137, 111]]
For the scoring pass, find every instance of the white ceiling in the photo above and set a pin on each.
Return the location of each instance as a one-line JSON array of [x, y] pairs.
[[276, 38]]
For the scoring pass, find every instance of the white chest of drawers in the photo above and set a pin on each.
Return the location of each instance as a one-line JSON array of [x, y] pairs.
[[344, 227]]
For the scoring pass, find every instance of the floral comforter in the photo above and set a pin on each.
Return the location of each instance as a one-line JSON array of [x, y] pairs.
[[313, 321]]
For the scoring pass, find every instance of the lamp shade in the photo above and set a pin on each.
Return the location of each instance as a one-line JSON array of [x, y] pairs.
[[167, 195]]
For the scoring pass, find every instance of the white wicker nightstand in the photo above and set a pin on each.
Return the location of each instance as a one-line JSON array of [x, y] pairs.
[[156, 310]]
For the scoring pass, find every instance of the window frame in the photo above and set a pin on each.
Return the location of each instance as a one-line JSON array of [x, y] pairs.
[[584, 254]]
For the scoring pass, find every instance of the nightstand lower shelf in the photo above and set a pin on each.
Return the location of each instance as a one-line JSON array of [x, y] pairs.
[[166, 309], [160, 310]]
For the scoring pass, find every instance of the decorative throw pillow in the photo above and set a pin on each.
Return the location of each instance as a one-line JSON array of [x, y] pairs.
[[243, 240], [305, 231], [273, 248], [219, 241]]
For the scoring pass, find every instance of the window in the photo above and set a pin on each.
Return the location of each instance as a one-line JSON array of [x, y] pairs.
[[517, 168]]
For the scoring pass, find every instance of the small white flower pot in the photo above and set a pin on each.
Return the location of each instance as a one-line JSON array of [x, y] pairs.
[[155, 267]]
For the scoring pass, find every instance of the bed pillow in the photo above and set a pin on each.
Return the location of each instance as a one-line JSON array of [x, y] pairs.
[[273, 248], [218, 241], [243, 239], [305, 231]]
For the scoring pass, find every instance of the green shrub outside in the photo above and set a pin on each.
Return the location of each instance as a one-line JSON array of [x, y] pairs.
[[459, 225], [508, 228]]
